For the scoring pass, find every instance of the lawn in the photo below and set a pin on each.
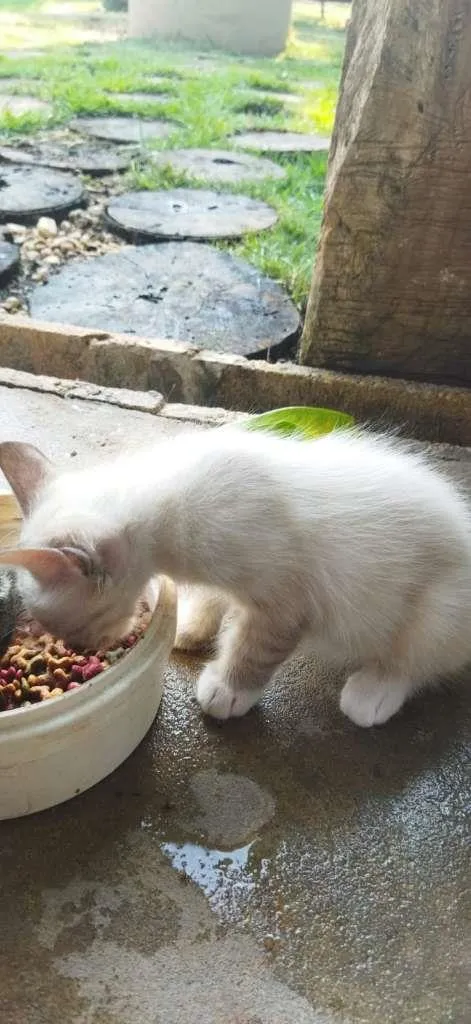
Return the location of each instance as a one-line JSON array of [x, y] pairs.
[[86, 58]]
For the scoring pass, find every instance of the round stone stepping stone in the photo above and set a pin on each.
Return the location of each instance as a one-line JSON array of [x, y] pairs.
[[23, 54], [181, 290], [281, 142], [9, 259], [123, 129], [201, 64], [140, 97], [89, 157], [27, 193], [6, 84], [219, 164], [260, 101], [161, 79], [188, 213], [22, 104], [18, 54], [310, 83], [282, 97]]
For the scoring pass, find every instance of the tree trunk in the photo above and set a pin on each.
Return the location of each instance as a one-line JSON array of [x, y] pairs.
[[391, 292]]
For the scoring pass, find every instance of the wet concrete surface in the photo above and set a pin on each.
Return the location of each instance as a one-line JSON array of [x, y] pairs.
[[282, 868]]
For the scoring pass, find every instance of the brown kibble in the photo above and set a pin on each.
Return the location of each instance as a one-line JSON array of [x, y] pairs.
[[41, 680], [35, 693], [12, 651], [56, 649], [65, 664], [61, 676], [19, 661], [38, 664]]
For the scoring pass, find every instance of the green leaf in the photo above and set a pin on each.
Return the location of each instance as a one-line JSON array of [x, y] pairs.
[[304, 420]]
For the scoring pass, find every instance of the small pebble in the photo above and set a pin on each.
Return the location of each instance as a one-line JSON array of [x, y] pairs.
[[41, 275], [15, 231], [13, 304], [46, 227]]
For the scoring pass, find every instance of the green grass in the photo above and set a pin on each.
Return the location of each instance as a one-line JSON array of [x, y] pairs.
[[78, 76]]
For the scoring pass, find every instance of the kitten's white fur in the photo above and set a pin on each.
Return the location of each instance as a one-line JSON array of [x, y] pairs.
[[351, 539]]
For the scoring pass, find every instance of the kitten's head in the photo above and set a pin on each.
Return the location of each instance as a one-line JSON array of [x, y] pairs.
[[78, 580]]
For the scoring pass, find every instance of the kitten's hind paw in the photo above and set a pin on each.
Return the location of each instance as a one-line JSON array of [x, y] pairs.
[[369, 699], [218, 699]]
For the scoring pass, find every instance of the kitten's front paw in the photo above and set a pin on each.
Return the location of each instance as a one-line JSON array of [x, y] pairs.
[[368, 699], [218, 699]]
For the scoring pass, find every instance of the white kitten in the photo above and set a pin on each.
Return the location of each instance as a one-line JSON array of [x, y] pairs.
[[350, 539]]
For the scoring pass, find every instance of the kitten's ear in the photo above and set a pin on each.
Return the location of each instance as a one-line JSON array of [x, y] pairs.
[[49, 566], [26, 470]]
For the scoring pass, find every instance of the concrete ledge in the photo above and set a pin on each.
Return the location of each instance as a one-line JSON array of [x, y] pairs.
[[177, 373], [137, 401]]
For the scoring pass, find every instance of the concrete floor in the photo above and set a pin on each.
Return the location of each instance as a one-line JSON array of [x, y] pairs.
[[287, 868]]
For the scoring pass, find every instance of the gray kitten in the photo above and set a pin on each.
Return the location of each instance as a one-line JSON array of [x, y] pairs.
[[10, 607]]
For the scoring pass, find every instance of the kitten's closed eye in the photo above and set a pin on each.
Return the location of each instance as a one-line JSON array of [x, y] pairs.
[[84, 561]]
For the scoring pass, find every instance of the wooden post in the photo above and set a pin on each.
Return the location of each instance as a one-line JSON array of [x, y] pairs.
[[391, 291]]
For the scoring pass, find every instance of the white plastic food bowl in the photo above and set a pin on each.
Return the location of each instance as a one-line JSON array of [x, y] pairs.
[[54, 750]]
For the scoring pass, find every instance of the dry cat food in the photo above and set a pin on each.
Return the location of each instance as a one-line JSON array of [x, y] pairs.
[[38, 668]]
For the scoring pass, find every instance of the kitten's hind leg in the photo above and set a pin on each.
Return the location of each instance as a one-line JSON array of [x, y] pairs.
[[251, 647], [433, 642], [371, 697], [199, 616]]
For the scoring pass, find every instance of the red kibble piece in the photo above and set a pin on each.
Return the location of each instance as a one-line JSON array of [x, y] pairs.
[[129, 641], [73, 686], [91, 670], [8, 675]]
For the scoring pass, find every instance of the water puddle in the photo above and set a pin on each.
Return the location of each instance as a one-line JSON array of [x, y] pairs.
[[220, 874]]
